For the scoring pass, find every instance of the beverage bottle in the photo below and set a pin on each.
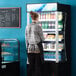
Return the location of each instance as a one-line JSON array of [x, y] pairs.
[[53, 25], [59, 56], [47, 25], [45, 46], [42, 25], [60, 16], [50, 25], [41, 16], [60, 24], [47, 16], [48, 56], [44, 16], [52, 16], [52, 55]]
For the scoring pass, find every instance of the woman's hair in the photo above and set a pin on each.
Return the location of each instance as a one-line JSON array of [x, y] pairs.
[[34, 15]]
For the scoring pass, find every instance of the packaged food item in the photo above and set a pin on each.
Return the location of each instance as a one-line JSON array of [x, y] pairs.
[[52, 46], [60, 36], [51, 36]]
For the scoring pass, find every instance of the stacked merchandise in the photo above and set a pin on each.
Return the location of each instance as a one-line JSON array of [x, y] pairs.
[[52, 24]]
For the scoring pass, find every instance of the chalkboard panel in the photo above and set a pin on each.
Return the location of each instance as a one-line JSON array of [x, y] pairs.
[[10, 17]]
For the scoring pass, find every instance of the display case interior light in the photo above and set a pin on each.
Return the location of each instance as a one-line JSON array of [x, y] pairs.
[[42, 7]]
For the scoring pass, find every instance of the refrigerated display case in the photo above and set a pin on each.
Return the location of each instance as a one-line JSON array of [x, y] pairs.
[[10, 59], [54, 34], [54, 18]]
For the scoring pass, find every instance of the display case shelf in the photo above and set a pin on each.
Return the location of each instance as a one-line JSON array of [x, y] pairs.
[[52, 50], [52, 39], [50, 59], [46, 20], [51, 30]]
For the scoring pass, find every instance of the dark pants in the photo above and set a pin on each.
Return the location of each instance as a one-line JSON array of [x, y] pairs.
[[35, 63]]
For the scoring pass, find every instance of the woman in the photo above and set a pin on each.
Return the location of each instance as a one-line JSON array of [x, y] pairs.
[[34, 38]]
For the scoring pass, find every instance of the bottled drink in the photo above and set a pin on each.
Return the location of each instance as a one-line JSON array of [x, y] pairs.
[[42, 25], [60, 24], [47, 25], [53, 25], [39, 16], [50, 25], [52, 15]]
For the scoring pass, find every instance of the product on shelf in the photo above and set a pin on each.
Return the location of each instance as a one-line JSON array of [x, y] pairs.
[[52, 15], [45, 35], [49, 55], [59, 56], [60, 36], [60, 16], [47, 16], [61, 46], [51, 36], [48, 23], [49, 46], [60, 24], [46, 26], [44, 46], [52, 46]]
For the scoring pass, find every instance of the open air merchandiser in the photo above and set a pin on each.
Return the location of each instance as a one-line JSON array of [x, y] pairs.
[[54, 18]]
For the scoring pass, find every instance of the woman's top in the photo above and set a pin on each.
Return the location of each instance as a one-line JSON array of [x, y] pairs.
[[33, 35]]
